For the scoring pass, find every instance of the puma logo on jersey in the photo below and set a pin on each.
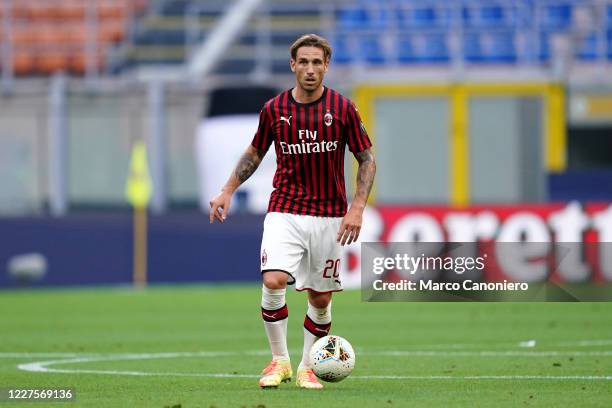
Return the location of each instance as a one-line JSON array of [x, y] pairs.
[[288, 120]]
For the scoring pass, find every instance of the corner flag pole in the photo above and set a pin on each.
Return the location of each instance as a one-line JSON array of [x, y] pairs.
[[140, 247], [138, 190]]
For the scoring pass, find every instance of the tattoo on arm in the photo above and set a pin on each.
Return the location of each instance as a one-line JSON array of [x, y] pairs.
[[365, 174], [248, 163]]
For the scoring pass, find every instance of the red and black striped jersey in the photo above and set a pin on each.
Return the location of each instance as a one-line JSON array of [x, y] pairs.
[[310, 141]]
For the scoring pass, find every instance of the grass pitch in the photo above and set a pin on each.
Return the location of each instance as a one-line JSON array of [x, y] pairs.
[[204, 346]]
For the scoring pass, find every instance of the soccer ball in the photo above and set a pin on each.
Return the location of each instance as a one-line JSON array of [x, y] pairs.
[[332, 358]]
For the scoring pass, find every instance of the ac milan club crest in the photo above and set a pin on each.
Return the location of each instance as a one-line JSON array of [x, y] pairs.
[[328, 118], [264, 258]]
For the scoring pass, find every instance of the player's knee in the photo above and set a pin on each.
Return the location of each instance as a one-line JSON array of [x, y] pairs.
[[275, 280], [319, 300]]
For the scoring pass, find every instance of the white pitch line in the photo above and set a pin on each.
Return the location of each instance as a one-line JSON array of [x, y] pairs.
[[587, 343], [37, 355], [379, 353], [490, 353], [37, 367], [131, 356], [44, 367], [485, 377]]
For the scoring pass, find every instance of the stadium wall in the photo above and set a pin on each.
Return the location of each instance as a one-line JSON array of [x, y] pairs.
[[97, 248], [449, 135]]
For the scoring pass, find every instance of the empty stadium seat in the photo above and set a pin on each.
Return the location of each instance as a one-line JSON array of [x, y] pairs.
[[342, 53], [543, 50], [51, 35], [556, 16], [423, 16], [112, 10], [23, 36], [352, 17], [472, 51], [51, 61], [78, 62], [23, 63], [490, 47], [486, 15], [70, 10], [586, 48], [36, 10], [175, 7], [423, 48], [499, 47], [111, 32], [372, 49]]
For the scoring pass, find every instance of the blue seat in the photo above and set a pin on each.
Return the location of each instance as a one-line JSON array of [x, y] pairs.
[[501, 48], [160, 37], [352, 17], [489, 47], [423, 48], [175, 7], [486, 16], [544, 52], [492, 16], [380, 18], [422, 17], [405, 49], [609, 51], [472, 49], [372, 50], [556, 16], [342, 53], [586, 49]]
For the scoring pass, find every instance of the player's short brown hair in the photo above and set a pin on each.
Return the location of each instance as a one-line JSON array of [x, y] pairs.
[[311, 40]]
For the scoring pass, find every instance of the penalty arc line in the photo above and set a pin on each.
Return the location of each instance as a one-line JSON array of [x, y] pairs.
[[379, 353], [43, 367], [33, 367]]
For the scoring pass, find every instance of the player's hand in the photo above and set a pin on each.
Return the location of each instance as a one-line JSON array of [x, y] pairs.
[[350, 227], [219, 207]]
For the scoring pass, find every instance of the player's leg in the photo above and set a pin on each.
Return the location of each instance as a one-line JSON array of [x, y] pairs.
[[317, 323], [280, 258], [322, 280], [275, 314]]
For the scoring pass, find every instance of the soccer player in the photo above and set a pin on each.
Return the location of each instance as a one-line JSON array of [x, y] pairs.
[[307, 220]]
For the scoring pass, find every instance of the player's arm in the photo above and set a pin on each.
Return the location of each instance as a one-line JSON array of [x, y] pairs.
[[351, 223], [248, 163]]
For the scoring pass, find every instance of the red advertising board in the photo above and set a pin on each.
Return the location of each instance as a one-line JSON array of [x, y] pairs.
[[573, 236]]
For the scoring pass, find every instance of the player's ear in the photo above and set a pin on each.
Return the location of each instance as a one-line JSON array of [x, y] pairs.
[[292, 64]]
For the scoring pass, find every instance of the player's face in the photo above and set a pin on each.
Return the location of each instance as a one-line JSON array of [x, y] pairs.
[[310, 67]]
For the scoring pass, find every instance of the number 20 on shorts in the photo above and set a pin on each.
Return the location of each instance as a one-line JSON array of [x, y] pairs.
[[331, 268]]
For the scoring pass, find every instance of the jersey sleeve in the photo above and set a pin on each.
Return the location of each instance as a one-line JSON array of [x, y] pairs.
[[263, 137], [357, 137]]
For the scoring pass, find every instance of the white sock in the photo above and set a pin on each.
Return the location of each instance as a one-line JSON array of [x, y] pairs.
[[322, 322], [275, 315]]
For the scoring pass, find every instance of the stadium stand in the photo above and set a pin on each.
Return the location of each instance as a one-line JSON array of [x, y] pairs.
[[52, 35], [489, 32], [58, 35]]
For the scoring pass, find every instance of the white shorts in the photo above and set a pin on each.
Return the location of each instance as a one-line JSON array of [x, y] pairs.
[[304, 247]]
